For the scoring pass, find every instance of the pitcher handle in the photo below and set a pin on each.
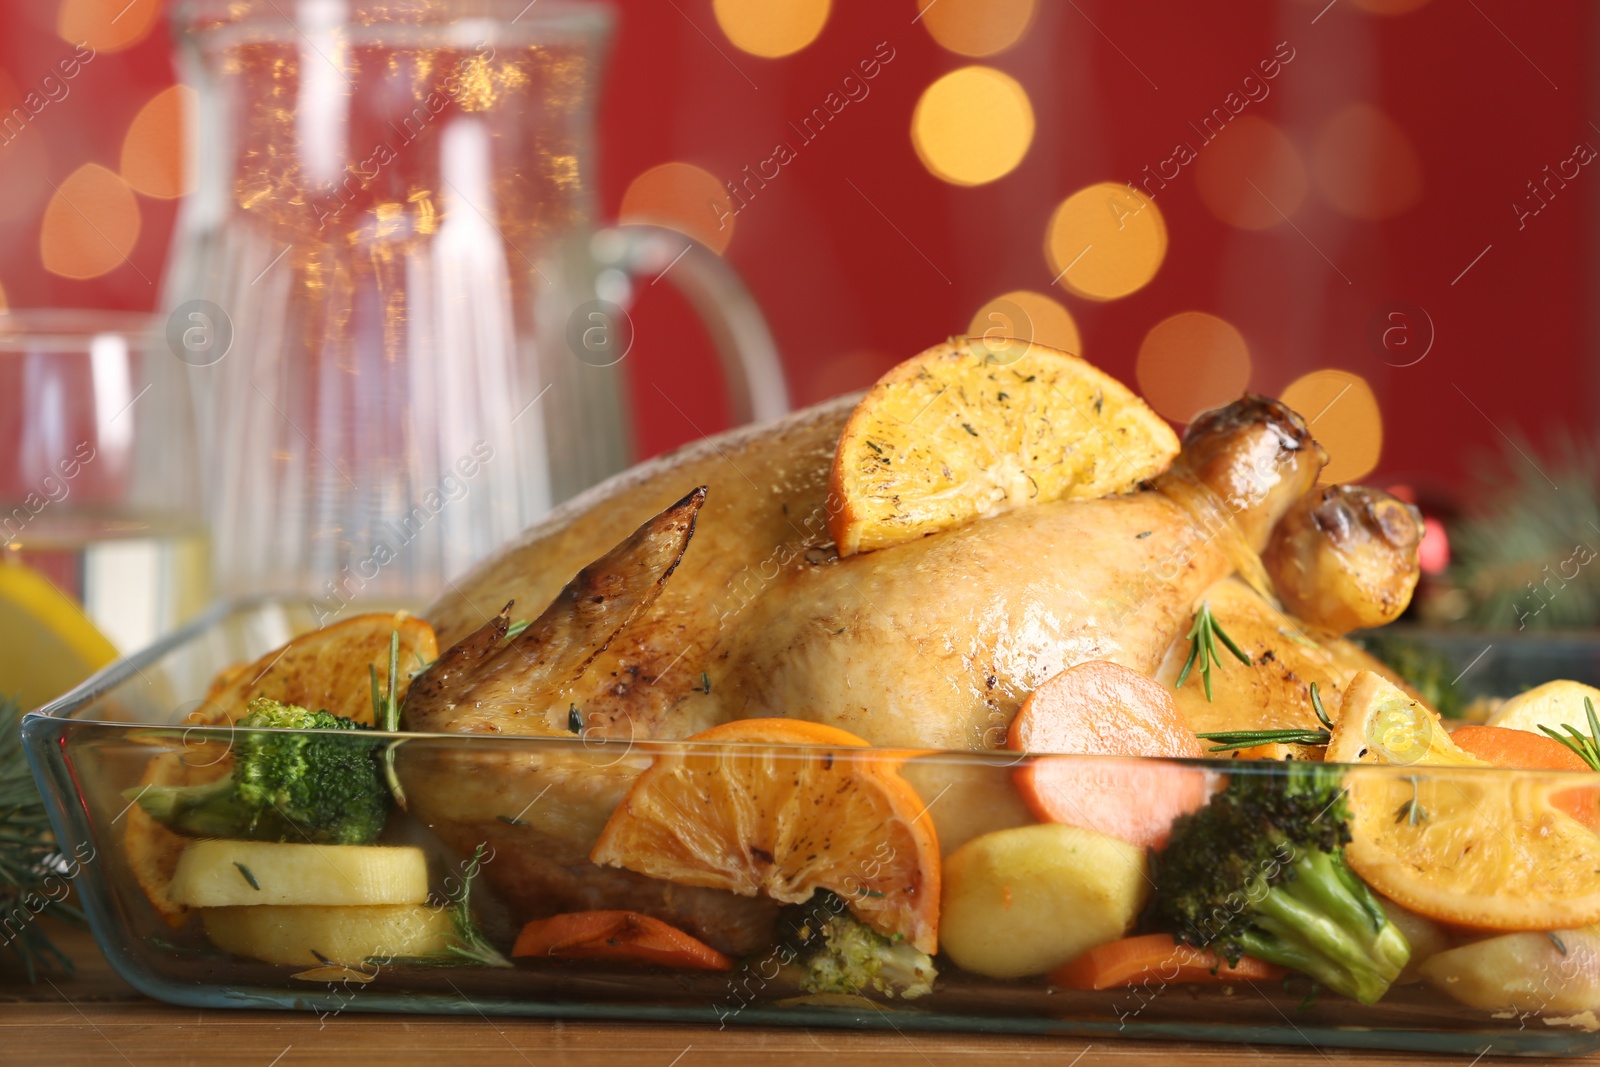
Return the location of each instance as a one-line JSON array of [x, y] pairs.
[[749, 356]]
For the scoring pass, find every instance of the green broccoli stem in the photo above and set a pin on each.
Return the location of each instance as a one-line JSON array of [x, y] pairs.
[[1325, 924], [209, 810]]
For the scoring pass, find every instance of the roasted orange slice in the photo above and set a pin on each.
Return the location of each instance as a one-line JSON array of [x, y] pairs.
[[1451, 839], [747, 813], [326, 668], [978, 426]]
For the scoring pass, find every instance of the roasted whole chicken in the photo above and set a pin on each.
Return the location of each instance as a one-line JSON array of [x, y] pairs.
[[725, 597]]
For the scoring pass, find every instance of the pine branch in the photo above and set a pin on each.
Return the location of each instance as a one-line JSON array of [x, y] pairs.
[[27, 853]]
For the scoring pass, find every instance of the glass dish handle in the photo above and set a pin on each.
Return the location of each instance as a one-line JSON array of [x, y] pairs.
[[749, 356]]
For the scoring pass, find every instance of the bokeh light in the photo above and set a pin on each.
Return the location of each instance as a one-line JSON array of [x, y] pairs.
[[1433, 554], [1251, 176], [106, 25], [972, 126], [682, 197], [153, 148], [4, 302], [1344, 418], [1105, 241], [975, 27], [1365, 165], [771, 28], [1192, 362], [90, 225], [1028, 316]]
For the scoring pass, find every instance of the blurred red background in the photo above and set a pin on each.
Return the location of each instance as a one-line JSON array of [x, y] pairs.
[[1383, 195]]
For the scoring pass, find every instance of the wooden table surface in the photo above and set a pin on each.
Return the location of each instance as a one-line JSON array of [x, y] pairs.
[[93, 1017]]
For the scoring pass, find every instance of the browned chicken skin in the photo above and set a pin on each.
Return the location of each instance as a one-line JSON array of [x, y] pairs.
[[1345, 557], [933, 643]]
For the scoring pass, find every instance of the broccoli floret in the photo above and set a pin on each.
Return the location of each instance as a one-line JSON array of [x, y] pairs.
[[839, 953], [1260, 870], [284, 786]]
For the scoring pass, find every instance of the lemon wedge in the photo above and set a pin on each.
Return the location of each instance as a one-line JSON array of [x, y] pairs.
[[47, 644]]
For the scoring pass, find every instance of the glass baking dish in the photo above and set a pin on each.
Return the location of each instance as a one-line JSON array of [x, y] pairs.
[[525, 800]]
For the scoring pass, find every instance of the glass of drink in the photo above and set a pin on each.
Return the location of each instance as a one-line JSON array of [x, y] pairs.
[[101, 544]]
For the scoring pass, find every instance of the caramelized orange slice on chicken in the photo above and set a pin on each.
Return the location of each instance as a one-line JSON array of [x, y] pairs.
[[978, 426]]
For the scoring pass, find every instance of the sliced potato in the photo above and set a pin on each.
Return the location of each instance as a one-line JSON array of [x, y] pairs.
[[1553, 704], [220, 874], [1523, 972], [1426, 938], [974, 427], [1024, 901], [306, 936]]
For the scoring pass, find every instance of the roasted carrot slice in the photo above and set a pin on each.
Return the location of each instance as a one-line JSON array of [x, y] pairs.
[[618, 935], [1505, 747], [1156, 957], [1104, 709]]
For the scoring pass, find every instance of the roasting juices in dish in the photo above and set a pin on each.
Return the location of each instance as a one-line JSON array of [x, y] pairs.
[[724, 691]]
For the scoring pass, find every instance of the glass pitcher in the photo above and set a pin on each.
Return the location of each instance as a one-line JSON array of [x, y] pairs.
[[405, 325]]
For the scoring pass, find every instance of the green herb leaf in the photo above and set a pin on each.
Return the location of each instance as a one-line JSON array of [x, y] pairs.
[[1228, 740], [1316, 706], [391, 701], [1203, 637], [515, 629], [1411, 811], [467, 944], [1586, 746], [391, 720], [248, 876]]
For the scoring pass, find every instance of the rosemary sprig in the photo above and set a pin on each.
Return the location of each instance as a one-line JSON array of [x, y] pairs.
[[467, 945], [1316, 706], [386, 716], [1586, 746], [1203, 637], [516, 628], [1411, 811], [1229, 740]]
